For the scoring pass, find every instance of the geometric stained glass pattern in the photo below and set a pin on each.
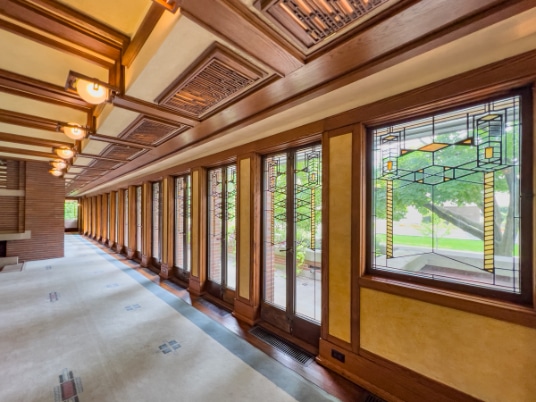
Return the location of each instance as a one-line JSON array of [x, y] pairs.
[[293, 200], [222, 192], [312, 21], [446, 192]]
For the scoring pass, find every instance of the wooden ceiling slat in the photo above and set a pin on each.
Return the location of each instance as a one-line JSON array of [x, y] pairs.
[[26, 120], [54, 44], [240, 29], [142, 34], [22, 139], [151, 110], [18, 151], [70, 28], [35, 89]]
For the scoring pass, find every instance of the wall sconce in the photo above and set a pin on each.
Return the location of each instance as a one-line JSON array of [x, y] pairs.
[[58, 164], [73, 131], [91, 90], [64, 152], [55, 172]]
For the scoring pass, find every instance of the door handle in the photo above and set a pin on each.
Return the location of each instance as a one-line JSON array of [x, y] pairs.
[[288, 250]]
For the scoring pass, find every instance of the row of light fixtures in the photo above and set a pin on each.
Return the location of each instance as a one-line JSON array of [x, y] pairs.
[[93, 92]]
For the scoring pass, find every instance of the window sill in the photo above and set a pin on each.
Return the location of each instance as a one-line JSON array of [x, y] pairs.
[[500, 310]]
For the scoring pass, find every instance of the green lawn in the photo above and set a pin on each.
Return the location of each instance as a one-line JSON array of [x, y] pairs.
[[448, 243]]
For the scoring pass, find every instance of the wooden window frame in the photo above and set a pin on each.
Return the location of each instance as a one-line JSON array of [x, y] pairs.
[[156, 261], [182, 274], [496, 304]]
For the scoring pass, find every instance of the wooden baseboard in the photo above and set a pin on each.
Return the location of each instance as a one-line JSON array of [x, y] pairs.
[[245, 312], [165, 271], [384, 378], [195, 287], [145, 259]]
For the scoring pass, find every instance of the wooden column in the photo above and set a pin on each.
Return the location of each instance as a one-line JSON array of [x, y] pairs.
[[247, 302], [198, 274], [131, 249], [168, 214], [146, 216], [94, 217], [113, 216], [343, 209], [98, 229], [104, 219], [120, 222]]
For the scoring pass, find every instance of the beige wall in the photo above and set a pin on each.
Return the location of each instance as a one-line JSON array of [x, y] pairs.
[[484, 357]]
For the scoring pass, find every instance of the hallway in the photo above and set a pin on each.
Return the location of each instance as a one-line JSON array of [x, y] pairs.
[[88, 326]]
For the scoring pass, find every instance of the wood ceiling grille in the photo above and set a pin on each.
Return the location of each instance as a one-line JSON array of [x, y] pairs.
[[122, 152], [312, 21], [214, 79], [151, 132]]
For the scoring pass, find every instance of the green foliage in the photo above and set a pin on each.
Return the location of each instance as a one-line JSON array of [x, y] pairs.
[[71, 209]]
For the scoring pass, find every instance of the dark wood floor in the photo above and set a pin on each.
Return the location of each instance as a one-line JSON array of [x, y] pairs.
[[326, 379]]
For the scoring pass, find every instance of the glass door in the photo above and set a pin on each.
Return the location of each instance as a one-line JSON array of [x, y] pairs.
[[292, 228], [222, 233], [183, 225], [139, 222]]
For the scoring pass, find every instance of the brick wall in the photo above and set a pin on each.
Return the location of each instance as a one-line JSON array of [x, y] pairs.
[[45, 197]]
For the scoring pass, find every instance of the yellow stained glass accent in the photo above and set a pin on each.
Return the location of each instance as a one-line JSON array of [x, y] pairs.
[[489, 212], [389, 165], [489, 152], [433, 147], [389, 219], [490, 117]]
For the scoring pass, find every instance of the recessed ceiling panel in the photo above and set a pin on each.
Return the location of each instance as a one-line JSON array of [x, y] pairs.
[[151, 132], [217, 77], [313, 21]]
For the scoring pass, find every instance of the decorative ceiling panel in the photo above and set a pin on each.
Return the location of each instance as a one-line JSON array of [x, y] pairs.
[[122, 152], [312, 21], [214, 79], [151, 132]]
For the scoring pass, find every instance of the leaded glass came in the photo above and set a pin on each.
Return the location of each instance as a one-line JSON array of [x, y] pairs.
[[446, 196]]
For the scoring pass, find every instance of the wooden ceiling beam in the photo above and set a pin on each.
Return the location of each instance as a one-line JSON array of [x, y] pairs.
[[142, 34], [27, 152], [240, 29], [115, 140], [152, 110], [54, 44], [67, 24], [40, 142], [26, 120], [35, 89]]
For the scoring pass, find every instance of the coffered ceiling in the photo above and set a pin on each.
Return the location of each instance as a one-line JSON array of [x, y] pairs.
[[188, 78]]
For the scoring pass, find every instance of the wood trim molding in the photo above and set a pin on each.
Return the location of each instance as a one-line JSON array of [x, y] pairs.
[[69, 25], [386, 379], [26, 140], [18, 151], [168, 223], [493, 308], [220, 18], [35, 89], [473, 85], [142, 34]]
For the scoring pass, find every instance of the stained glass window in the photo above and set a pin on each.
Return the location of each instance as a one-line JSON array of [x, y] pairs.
[[125, 215], [222, 226], [446, 195], [139, 224], [157, 217], [182, 223]]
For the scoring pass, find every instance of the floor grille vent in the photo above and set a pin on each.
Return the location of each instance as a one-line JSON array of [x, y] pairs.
[[281, 345], [368, 397]]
